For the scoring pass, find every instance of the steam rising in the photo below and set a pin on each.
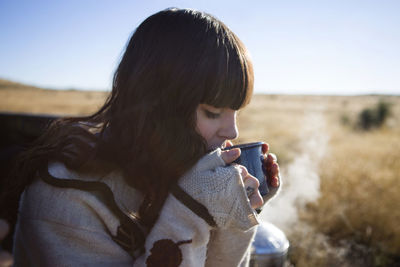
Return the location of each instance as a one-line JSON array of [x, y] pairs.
[[300, 180]]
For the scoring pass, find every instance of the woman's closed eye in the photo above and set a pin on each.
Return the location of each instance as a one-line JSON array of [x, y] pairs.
[[211, 115]]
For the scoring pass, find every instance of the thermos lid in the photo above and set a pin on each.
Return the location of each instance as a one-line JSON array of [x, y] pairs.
[[269, 240]]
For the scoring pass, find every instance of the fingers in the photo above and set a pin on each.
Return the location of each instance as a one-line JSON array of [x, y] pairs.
[[270, 159], [230, 155], [256, 200], [251, 185], [228, 143], [265, 148], [274, 178], [272, 170]]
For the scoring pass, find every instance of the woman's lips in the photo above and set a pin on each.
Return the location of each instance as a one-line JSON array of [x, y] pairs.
[[213, 147]]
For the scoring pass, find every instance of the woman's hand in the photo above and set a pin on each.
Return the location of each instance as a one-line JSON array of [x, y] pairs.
[[271, 167], [249, 181]]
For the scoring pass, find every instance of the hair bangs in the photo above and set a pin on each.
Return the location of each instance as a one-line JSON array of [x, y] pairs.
[[230, 76]]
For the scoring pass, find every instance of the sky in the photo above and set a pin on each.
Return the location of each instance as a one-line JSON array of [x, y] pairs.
[[340, 47]]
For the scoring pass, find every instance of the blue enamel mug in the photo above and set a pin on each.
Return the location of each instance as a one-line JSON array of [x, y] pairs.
[[252, 158]]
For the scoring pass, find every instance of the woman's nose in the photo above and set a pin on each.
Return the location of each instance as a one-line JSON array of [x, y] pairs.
[[229, 128]]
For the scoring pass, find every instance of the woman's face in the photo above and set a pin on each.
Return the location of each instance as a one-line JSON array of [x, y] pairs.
[[216, 125]]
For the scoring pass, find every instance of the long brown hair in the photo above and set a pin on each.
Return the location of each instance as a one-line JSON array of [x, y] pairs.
[[175, 60]]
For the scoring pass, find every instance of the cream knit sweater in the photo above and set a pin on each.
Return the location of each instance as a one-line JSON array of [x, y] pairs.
[[71, 227]]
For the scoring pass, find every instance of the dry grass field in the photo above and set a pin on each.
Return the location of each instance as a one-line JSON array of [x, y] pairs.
[[15, 97], [339, 202]]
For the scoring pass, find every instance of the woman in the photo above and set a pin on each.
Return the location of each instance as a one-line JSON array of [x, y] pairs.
[[143, 181]]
